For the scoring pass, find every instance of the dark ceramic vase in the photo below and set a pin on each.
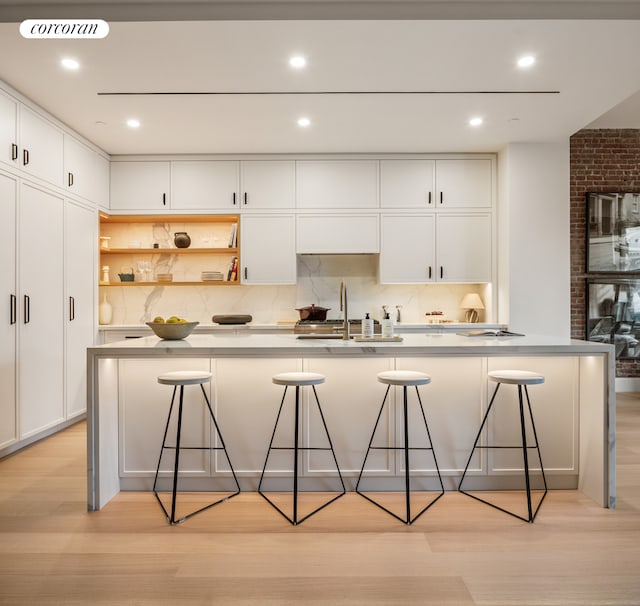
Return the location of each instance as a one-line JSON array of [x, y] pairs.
[[182, 239]]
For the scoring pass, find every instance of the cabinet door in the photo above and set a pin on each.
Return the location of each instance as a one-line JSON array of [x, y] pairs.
[[140, 185], [464, 248], [42, 145], [8, 311], [268, 184], [268, 249], [337, 234], [464, 183], [40, 365], [407, 249], [337, 184], [407, 184], [80, 234], [79, 168], [204, 185], [8, 130]]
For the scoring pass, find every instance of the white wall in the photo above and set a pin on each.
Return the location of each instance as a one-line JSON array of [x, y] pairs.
[[533, 226]]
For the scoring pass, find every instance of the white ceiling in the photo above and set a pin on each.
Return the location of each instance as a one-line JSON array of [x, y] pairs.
[[397, 86]]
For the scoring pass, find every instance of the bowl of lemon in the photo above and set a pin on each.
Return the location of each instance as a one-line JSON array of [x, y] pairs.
[[171, 329]]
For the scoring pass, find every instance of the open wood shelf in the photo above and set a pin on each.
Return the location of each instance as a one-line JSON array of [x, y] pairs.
[[201, 283], [172, 251]]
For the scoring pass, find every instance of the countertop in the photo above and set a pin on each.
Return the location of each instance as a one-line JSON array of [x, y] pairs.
[[249, 344]]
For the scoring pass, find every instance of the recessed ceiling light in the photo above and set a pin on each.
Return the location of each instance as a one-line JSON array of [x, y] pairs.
[[69, 63], [526, 61], [297, 61], [304, 122], [133, 123], [477, 121]]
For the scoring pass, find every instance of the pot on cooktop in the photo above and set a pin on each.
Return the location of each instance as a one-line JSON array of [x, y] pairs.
[[313, 312]]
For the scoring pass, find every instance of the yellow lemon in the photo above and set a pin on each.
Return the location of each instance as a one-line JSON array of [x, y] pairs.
[[159, 320]]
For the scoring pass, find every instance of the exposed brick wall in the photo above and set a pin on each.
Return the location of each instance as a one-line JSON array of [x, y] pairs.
[[601, 161]]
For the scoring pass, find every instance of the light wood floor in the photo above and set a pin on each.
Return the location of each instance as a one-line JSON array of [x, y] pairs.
[[52, 552]]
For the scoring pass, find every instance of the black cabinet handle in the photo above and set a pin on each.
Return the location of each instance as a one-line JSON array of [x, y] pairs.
[[164, 199], [72, 309], [25, 157], [14, 151], [441, 272], [429, 272], [27, 309], [441, 196], [13, 302], [245, 273], [245, 197], [70, 179], [234, 198], [429, 198]]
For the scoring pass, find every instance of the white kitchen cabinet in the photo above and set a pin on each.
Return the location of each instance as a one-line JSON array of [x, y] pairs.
[[86, 173], [8, 310], [41, 147], [337, 234], [140, 185], [435, 248], [40, 366], [267, 184], [348, 184], [437, 183], [205, 185], [8, 130], [464, 248], [268, 249], [464, 183], [407, 184], [80, 234], [407, 249]]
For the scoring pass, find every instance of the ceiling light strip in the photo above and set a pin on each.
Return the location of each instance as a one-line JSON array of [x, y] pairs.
[[337, 92]]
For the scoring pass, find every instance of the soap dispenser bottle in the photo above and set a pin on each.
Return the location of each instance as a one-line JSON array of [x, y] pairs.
[[367, 327], [387, 325]]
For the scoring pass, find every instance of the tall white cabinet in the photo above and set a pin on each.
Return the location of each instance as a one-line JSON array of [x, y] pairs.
[[80, 234], [40, 359], [8, 309]]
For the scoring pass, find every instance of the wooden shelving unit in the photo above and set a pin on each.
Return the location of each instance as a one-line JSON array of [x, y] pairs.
[[147, 230]]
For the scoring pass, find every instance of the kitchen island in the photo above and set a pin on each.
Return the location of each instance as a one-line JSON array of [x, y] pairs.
[[574, 409]]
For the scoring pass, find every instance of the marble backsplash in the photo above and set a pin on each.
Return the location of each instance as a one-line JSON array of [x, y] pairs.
[[319, 278]]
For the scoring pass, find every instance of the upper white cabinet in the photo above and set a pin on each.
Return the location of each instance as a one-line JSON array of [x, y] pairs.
[[407, 183], [348, 184], [86, 172], [337, 234], [203, 185], [267, 184], [435, 248], [8, 129], [464, 183], [437, 184], [140, 185], [268, 249], [407, 249], [41, 145]]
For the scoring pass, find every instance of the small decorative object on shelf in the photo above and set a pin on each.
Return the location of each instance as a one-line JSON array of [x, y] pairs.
[[182, 239], [471, 302], [105, 311]]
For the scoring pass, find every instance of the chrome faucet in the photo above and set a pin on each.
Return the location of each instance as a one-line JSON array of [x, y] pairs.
[[343, 307]]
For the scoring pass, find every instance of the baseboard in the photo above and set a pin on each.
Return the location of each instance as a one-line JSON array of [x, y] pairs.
[[624, 384]]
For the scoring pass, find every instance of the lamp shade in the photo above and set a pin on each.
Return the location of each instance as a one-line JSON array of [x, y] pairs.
[[472, 300]]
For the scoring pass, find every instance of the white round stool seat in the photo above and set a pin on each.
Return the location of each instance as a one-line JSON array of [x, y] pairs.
[[516, 377], [298, 378], [184, 377], [403, 377]]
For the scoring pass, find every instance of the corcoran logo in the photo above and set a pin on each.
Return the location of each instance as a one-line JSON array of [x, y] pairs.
[[64, 28]]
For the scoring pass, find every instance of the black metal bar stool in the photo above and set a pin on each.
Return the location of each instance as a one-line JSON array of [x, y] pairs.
[[521, 378], [299, 380], [404, 379], [180, 379]]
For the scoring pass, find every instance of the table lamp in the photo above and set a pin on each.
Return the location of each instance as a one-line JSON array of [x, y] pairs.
[[471, 302]]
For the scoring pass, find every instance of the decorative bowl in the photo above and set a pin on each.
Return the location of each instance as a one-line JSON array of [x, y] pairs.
[[172, 331]]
